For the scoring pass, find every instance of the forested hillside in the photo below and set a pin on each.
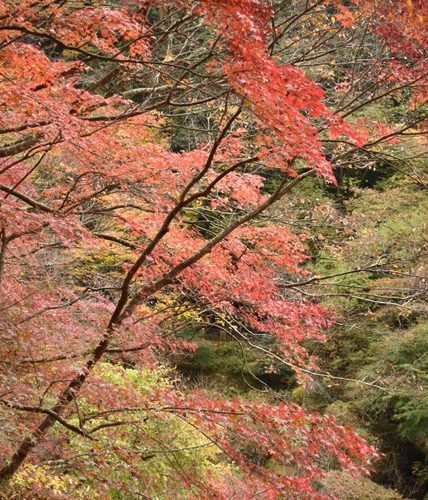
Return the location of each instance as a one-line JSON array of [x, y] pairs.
[[213, 249]]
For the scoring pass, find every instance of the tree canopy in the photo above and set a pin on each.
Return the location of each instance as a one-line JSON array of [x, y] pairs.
[[148, 152]]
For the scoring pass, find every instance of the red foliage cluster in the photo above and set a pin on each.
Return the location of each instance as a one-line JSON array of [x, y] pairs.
[[78, 158]]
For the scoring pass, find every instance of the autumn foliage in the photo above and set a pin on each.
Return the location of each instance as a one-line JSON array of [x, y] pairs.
[[115, 235]]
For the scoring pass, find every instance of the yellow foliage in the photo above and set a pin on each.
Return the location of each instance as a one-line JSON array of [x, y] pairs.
[[36, 475]]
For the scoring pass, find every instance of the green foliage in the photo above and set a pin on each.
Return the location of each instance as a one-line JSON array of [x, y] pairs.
[[243, 369], [98, 263], [400, 360], [171, 450], [381, 335], [342, 485]]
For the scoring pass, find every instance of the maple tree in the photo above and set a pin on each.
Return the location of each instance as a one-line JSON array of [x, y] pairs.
[[138, 142]]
